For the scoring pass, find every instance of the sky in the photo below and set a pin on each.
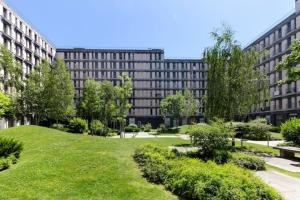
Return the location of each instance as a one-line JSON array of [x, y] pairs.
[[181, 27]]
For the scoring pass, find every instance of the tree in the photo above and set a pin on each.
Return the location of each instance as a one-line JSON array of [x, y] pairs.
[[234, 84], [123, 92], [291, 62], [90, 103], [34, 93], [59, 91], [173, 106], [190, 106], [12, 71], [5, 104]]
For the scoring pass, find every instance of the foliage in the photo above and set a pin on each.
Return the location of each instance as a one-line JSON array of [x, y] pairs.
[[90, 102], [234, 85], [248, 161], [78, 125], [291, 130], [210, 139], [124, 92], [252, 130], [260, 120], [49, 92], [290, 63], [97, 128], [108, 101], [5, 104], [162, 128], [147, 127], [132, 128], [35, 96], [194, 179], [12, 71], [60, 92], [172, 105], [191, 105], [10, 147]]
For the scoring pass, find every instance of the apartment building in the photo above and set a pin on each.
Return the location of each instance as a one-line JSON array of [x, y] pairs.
[[284, 99], [154, 77], [27, 45]]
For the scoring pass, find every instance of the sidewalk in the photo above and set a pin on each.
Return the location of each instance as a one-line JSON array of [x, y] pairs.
[[289, 187]]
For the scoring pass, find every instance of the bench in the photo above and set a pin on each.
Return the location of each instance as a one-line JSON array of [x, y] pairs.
[[288, 152]]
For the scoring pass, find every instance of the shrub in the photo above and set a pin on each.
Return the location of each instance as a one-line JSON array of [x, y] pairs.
[[248, 161], [148, 127], [97, 128], [78, 125], [194, 179], [132, 128], [291, 130], [162, 128], [10, 147], [259, 120], [251, 130], [210, 139]]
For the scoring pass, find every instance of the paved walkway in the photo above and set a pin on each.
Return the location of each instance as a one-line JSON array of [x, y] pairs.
[[265, 143], [286, 164], [288, 186], [150, 135]]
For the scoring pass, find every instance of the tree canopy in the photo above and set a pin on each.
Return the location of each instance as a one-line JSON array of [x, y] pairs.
[[234, 83], [290, 63]]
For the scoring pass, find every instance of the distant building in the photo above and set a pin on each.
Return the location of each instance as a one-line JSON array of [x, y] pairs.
[[154, 77]]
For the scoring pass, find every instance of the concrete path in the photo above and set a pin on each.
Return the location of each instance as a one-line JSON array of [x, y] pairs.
[[150, 135], [286, 164], [265, 143], [289, 187]]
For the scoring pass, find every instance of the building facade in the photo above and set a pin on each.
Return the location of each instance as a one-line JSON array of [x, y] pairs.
[[27, 45], [284, 100], [153, 76]]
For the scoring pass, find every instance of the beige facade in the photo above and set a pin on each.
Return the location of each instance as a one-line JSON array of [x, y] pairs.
[[154, 77], [27, 45], [284, 99]]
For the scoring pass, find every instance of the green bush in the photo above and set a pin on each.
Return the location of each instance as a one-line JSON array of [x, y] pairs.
[[162, 128], [291, 130], [10, 147], [251, 130], [97, 128], [259, 120], [132, 128], [148, 127], [193, 179], [248, 161], [78, 125], [210, 139]]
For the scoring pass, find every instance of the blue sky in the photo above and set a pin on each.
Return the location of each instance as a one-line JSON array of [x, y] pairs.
[[181, 27]]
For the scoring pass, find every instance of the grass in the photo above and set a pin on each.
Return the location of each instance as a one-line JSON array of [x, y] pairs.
[[276, 136], [276, 169], [59, 165], [258, 148]]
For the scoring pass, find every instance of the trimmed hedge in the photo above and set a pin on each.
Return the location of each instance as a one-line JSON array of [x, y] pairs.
[[291, 131], [193, 179], [248, 161]]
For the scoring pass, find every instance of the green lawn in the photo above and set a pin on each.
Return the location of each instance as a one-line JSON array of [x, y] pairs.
[[58, 165]]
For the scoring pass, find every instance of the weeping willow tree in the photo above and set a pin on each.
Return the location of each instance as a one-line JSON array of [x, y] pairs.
[[234, 84]]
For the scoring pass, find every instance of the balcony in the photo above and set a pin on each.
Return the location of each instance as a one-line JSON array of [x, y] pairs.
[[6, 18]]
